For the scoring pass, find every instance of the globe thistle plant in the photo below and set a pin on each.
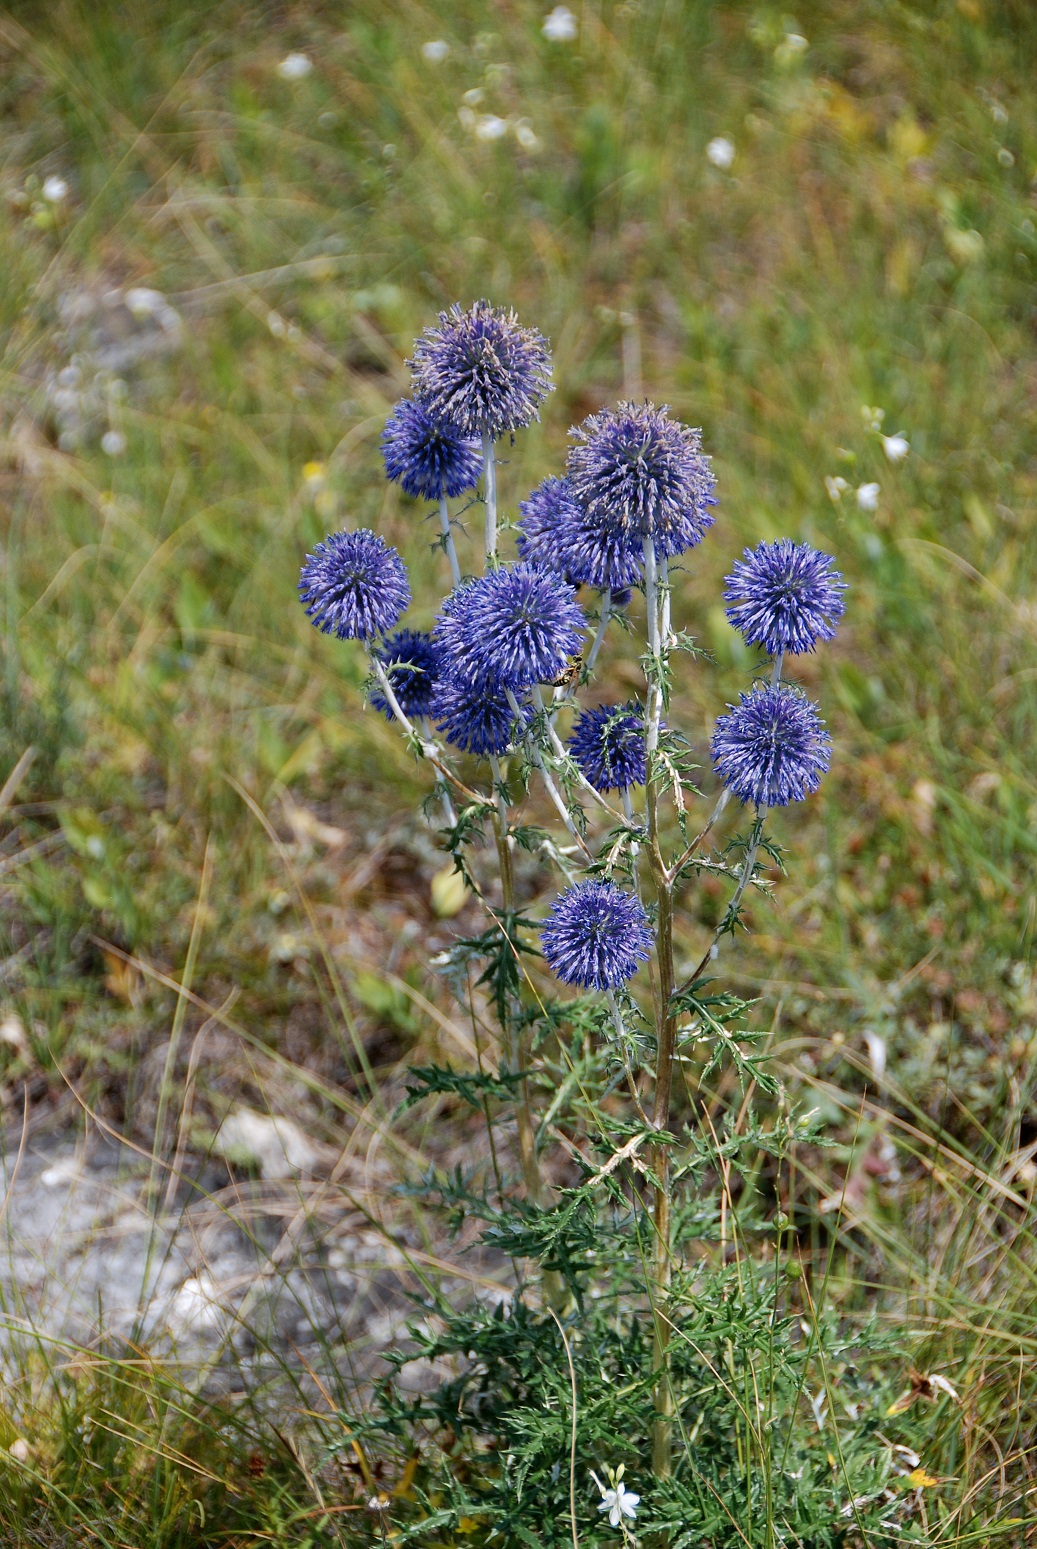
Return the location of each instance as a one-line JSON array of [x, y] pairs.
[[501, 678], [596, 936], [638, 472], [412, 662], [609, 746], [785, 597], [513, 628], [354, 586], [481, 371], [429, 458], [772, 749]]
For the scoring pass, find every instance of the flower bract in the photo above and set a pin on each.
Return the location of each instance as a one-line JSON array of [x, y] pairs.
[[785, 596], [481, 371], [596, 936], [411, 662], [510, 629], [608, 744], [354, 585], [772, 749], [428, 458], [638, 473]]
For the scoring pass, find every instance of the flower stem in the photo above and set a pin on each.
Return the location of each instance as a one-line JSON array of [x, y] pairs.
[[597, 643], [549, 785], [665, 1033], [490, 483], [448, 540]]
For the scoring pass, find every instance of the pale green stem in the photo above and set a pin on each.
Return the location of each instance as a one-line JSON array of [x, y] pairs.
[[490, 486], [448, 540], [664, 593], [549, 785]]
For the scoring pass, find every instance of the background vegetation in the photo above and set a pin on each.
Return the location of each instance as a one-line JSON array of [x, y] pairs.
[[195, 799]]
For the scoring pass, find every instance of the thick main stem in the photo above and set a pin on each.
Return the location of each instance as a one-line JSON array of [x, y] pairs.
[[665, 1035], [490, 485], [448, 541]]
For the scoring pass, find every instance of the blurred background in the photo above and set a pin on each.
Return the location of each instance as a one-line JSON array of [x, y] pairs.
[[221, 227]]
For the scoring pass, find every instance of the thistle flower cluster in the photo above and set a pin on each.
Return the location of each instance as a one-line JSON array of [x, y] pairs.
[[637, 491]]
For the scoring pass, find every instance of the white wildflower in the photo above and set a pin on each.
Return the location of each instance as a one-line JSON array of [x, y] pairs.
[[113, 443], [526, 135], [868, 497], [55, 189], [489, 127], [896, 447], [836, 486], [473, 97], [1005, 157], [435, 50], [721, 152], [294, 66], [560, 25], [872, 417], [616, 1499], [19, 1449]]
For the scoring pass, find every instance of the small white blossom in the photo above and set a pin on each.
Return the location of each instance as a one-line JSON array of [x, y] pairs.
[[872, 417], [294, 66], [435, 50], [896, 447], [616, 1499], [473, 97], [868, 497], [490, 127], [113, 443], [560, 25], [55, 189], [525, 134], [1005, 157], [721, 152], [836, 486]]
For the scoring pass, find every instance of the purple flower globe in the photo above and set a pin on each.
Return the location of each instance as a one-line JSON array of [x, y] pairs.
[[480, 371], [547, 519], [637, 472], [428, 458], [596, 936], [510, 629], [772, 749], [785, 596], [608, 744], [476, 720], [555, 533], [411, 661], [354, 585]]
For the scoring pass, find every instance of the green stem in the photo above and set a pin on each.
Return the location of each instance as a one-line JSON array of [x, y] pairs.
[[448, 540], [490, 484], [662, 1444]]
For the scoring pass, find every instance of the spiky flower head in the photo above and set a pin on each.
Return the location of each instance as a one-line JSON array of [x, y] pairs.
[[411, 661], [426, 456], [513, 627], [555, 533], [476, 720], [772, 748], [637, 472], [595, 936], [480, 371], [354, 585], [546, 522], [608, 744], [785, 596]]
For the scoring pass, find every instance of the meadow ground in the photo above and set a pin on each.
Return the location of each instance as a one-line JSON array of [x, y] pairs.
[[215, 890]]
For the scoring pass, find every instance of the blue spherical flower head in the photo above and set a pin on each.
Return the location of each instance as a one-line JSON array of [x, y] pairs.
[[555, 533], [595, 936], [637, 472], [510, 629], [354, 585], [785, 596], [608, 744], [481, 371], [411, 661], [426, 457], [547, 521], [773, 748], [476, 720]]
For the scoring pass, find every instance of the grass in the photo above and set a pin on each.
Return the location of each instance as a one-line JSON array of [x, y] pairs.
[[170, 716]]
